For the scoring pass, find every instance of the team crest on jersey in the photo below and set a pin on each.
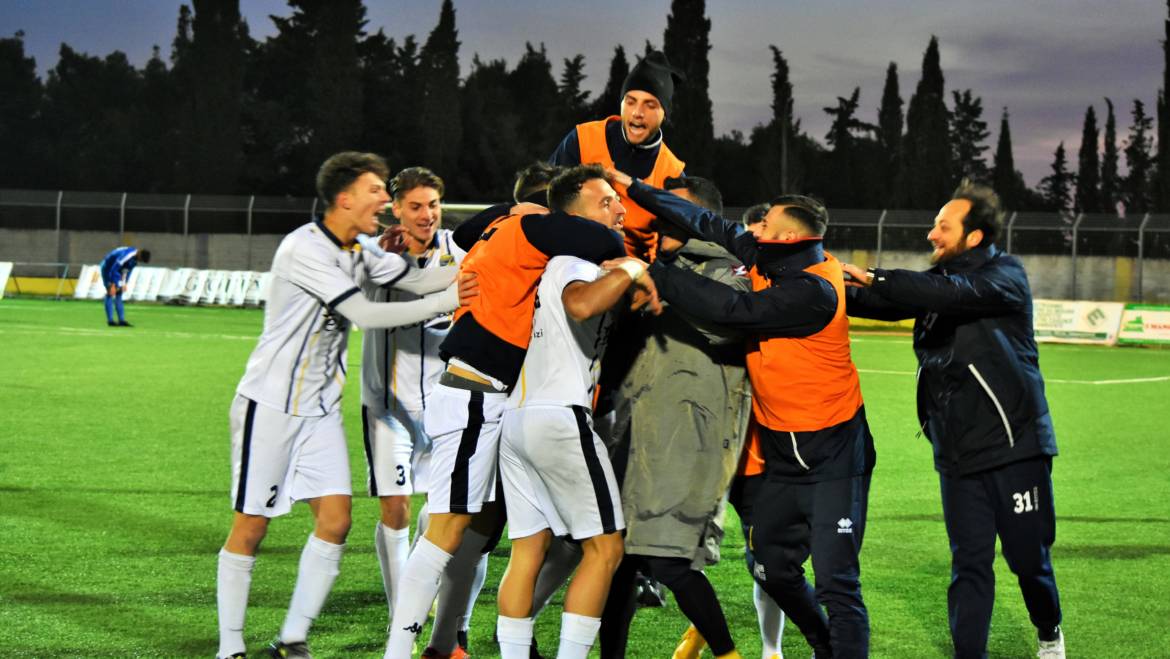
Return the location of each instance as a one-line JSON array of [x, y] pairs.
[[447, 259]]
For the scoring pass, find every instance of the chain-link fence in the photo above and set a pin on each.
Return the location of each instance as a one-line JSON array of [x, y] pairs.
[[61, 228]]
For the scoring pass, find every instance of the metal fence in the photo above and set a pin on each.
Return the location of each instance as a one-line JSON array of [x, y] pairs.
[[1140, 238]]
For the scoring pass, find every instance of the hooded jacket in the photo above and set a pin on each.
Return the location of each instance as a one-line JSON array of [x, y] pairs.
[[685, 403]]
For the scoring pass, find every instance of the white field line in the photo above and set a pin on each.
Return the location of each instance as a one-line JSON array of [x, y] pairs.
[[1160, 378], [118, 332]]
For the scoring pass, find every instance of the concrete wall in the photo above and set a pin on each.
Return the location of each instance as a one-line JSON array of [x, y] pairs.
[[217, 251], [1103, 278]]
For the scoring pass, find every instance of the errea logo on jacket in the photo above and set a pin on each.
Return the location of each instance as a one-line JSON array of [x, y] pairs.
[[845, 525]]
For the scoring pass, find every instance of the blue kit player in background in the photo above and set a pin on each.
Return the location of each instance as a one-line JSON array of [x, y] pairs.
[[116, 268]]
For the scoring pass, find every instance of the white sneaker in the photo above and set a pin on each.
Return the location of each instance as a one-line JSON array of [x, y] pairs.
[[1052, 649]]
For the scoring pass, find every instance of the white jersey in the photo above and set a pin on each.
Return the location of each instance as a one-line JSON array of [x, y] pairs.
[[401, 364], [564, 356], [298, 365]]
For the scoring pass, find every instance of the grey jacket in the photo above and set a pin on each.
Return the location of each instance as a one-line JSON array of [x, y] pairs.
[[685, 403]]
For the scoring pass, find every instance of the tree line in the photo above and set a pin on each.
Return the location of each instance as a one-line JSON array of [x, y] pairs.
[[224, 113]]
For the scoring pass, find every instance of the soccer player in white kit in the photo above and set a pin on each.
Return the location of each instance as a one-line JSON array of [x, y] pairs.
[[556, 472], [287, 439], [400, 366]]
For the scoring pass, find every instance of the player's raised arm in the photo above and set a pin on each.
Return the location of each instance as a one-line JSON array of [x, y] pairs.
[[369, 314], [584, 300], [421, 281]]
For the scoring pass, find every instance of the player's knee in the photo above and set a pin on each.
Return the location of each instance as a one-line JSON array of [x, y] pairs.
[[445, 530], [246, 534], [333, 525], [395, 511], [605, 549]]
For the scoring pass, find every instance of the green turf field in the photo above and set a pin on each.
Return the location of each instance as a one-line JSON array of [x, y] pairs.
[[114, 477]]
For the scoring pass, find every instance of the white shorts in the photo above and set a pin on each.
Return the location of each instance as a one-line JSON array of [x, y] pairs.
[[278, 459], [464, 427], [557, 474], [394, 445]]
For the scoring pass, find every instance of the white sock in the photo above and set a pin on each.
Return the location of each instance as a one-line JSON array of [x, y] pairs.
[[320, 565], [771, 618], [562, 558], [422, 520], [577, 635], [455, 591], [392, 547], [515, 636], [233, 579], [416, 592]]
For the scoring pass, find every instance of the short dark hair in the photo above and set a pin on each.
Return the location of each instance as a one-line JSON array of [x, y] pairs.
[[811, 213], [986, 213], [414, 177], [340, 170], [704, 191], [144, 255], [755, 214], [566, 187], [533, 179]]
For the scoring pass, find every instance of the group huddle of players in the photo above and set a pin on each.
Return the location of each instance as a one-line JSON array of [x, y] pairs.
[[597, 366]]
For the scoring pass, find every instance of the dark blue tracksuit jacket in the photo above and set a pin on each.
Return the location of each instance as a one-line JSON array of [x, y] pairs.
[[980, 393]]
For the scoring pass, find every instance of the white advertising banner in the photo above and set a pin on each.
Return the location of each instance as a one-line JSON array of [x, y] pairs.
[[213, 288], [192, 287], [1145, 323], [5, 270], [252, 288], [237, 286], [1076, 321], [160, 276]]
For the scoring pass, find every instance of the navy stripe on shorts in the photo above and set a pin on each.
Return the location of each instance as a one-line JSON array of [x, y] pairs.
[[596, 473], [246, 450], [468, 443]]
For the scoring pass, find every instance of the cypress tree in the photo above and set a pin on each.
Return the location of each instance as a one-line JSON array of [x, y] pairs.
[[1055, 187], [1110, 182], [1138, 158], [781, 134], [686, 43], [890, 120], [926, 149], [1088, 196], [1163, 173], [442, 125], [609, 101]]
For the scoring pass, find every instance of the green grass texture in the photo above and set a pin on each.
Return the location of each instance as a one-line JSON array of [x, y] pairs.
[[115, 476]]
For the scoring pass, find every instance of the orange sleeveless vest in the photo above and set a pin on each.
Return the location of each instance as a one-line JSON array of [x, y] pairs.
[[806, 383], [507, 281], [751, 463], [641, 241]]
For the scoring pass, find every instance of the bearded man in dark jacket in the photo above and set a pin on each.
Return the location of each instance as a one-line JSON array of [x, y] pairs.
[[981, 403]]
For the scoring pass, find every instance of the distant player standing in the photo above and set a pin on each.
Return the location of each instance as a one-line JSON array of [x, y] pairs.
[[116, 268], [287, 439]]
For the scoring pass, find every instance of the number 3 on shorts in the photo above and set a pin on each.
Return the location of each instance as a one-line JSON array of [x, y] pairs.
[[401, 475]]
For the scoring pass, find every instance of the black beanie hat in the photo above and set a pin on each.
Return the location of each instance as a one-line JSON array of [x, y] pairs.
[[655, 75]]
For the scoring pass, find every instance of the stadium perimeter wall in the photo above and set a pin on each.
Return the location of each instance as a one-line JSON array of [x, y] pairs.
[[1104, 278]]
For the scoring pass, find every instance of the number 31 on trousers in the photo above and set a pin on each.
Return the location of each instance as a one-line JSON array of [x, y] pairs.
[[1026, 501]]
